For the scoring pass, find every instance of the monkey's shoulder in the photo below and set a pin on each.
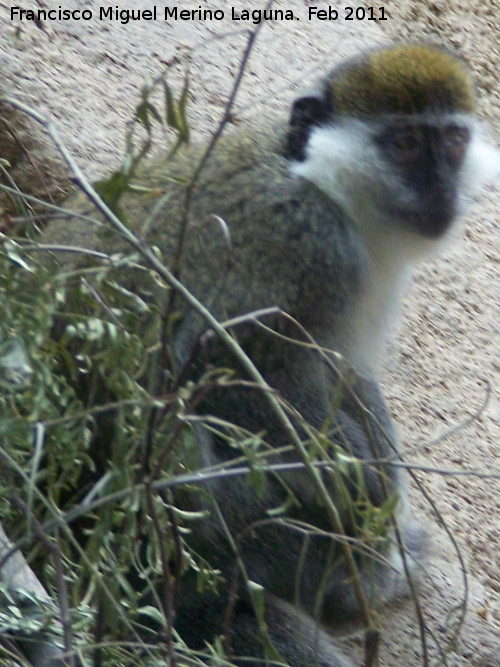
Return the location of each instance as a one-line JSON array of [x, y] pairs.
[[238, 218], [247, 181]]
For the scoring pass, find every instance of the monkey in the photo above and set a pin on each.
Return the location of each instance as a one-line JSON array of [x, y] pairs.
[[302, 236]]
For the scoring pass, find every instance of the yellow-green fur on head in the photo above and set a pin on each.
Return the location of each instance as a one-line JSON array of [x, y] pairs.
[[403, 79]]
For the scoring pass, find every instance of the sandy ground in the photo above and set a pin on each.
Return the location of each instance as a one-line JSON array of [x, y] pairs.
[[86, 73]]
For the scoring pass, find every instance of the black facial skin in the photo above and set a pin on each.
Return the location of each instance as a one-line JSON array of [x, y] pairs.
[[428, 159]]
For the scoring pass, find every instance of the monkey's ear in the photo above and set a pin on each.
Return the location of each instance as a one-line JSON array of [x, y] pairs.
[[306, 113]]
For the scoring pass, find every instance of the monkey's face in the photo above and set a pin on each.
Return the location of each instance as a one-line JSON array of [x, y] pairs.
[[410, 173], [428, 159]]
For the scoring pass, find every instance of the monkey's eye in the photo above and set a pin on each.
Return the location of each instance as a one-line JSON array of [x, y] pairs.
[[455, 142], [405, 146]]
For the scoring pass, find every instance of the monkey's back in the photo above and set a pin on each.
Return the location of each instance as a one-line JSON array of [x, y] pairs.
[[250, 236]]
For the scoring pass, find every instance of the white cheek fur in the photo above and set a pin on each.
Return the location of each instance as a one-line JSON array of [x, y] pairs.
[[333, 158], [481, 166]]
